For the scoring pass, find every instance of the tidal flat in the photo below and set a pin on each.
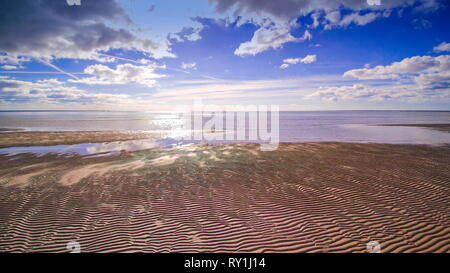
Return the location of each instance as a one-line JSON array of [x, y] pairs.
[[302, 197]]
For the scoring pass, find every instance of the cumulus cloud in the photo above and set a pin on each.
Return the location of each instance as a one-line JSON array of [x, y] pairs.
[[443, 47], [48, 29], [122, 74], [269, 36], [186, 34], [414, 78], [407, 68], [306, 60], [326, 12], [358, 19], [315, 17], [335, 93], [434, 80], [50, 91], [14, 60], [9, 67], [306, 36], [294, 8], [189, 65], [361, 91], [333, 17]]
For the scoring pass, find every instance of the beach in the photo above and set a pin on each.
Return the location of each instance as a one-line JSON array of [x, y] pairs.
[[302, 197], [225, 126], [33, 138]]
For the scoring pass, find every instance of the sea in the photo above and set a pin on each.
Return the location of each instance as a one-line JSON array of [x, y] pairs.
[[294, 126]]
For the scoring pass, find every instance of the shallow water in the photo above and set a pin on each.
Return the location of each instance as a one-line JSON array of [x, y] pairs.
[[106, 148], [346, 133], [314, 122], [314, 126]]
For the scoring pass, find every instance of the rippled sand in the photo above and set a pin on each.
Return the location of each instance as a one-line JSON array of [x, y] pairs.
[[311, 197]]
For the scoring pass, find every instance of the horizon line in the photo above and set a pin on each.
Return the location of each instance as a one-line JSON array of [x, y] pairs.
[[341, 110]]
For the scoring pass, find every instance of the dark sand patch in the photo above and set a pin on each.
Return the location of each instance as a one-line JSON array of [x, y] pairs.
[[23, 139], [440, 127], [310, 197], [2, 130]]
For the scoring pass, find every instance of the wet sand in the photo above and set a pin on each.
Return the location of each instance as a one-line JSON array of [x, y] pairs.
[[439, 126], [23, 139], [308, 197]]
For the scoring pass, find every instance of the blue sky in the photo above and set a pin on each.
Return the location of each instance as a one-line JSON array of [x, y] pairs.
[[156, 55]]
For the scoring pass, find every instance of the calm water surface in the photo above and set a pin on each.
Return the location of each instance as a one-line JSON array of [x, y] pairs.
[[311, 126]]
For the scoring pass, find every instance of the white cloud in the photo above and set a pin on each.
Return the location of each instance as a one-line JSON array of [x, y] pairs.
[[407, 68], [242, 89], [359, 19], [443, 47], [187, 34], [195, 35], [323, 12], [50, 91], [306, 60], [306, 36], [327, 12], [343, 92], [434, 80], [189, 65], [9, 67], [334, 19], [416, 78], [122, 74], [13, 59], [269, 36], [315, 17], [53, 29], [379, 93], [176, 37], [288, 9]]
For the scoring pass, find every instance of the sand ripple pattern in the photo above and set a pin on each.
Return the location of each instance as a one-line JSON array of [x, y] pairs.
[[301, 198]]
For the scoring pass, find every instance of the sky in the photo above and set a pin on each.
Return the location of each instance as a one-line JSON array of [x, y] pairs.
[[159, 54]]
